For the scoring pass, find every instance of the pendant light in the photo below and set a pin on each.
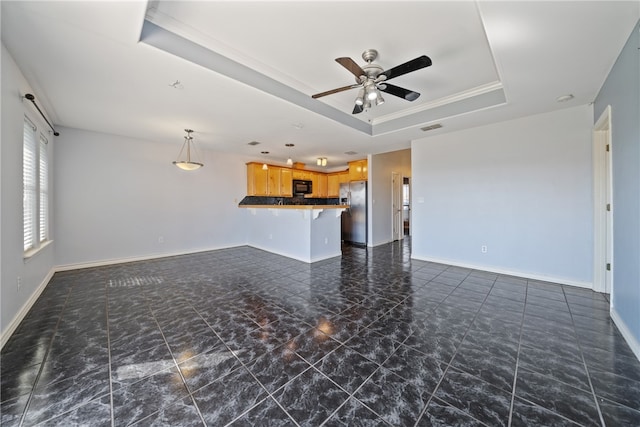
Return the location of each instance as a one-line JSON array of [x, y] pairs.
[[186, 163], [289, 160]]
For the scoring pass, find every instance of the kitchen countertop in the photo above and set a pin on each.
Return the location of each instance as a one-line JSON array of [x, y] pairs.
[[306, 207]]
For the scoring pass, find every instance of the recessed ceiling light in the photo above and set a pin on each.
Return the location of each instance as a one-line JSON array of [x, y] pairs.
[[564, 98]]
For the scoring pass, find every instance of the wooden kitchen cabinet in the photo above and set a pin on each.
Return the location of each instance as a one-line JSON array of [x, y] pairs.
[[276, 181], [358, 170], [257, 180], [321, 184], [301, 174], [273, 182], [286, 186], [333, 182], [273, 188]]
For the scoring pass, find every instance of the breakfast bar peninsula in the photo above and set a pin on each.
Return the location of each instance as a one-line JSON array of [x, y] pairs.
[[307, 232]]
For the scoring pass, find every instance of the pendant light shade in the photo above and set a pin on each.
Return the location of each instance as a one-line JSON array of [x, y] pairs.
[[289, 160], [184, 160]]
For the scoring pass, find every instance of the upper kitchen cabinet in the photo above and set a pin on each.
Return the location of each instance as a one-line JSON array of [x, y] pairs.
[[320, 185], [358, 170], [301, 174], [273, 174], [257, 180], [275, 181], [333, 182], [286, 182]]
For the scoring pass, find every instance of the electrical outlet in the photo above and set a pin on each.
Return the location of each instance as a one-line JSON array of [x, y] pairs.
[[19, 282], [270, 236], [326, 240], [483, 249]]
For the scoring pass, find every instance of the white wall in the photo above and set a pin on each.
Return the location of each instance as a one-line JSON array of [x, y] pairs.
[[35, 272], [523, 188], [295, 233], [118, 196], [381, 166]]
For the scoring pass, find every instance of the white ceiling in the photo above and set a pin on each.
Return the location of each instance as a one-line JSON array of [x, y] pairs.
[[247, 70]]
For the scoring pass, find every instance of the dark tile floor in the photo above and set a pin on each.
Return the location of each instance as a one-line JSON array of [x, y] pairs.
[[244, 337]]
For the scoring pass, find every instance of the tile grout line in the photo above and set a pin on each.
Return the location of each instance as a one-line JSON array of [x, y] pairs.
[[584, 362], [444, 373], [44, 359], [184, 381], [515, 372], [111, 407], [269, 395]]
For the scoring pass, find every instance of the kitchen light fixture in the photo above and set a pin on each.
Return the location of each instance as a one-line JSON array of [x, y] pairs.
[[322, 161], [264, 165], [289, 160], [187, 164]]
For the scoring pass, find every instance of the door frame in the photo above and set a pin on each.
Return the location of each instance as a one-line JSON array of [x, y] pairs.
[[602, 195], [397, 226], [408, 178]]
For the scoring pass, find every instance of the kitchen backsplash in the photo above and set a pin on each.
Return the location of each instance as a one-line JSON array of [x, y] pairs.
[[261, 200]]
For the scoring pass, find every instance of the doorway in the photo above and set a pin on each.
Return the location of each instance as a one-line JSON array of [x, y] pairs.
[[406, 205], [396, 206], [603, 207]]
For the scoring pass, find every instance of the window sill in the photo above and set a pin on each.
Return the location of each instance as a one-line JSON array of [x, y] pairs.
[[28, 255]]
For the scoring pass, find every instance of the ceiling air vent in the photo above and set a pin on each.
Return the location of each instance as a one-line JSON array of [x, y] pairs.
[[431, 127], [350, 153], [254, 143]]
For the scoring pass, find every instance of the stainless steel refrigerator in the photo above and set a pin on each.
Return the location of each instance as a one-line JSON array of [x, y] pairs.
[[354, 219]]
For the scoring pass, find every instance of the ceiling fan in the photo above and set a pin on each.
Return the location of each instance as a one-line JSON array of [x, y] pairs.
[[371, 79]]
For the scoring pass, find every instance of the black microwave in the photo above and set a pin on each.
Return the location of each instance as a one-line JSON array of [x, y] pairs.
[[301, 187]]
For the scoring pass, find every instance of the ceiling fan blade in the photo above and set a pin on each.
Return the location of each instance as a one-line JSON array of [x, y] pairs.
[[350, 65], [400, 92], [413, 65], [357, 109], [332, 91]]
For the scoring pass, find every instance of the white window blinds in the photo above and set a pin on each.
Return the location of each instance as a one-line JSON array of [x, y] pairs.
[[29, 158], [43, 181]]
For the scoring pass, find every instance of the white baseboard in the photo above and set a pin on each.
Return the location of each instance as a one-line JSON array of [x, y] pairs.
[[6, 334], [102, 263], [633, 342], [295, 256], [526, 275], [13, 325]]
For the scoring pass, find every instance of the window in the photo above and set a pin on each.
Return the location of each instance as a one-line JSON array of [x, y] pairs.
[[35, 179]]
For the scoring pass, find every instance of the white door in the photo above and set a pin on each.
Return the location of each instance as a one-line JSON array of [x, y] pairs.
[[608, 219], [603, 206], [396, 206]]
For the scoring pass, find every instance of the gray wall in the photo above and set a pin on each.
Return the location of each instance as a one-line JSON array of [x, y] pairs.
[[521, 187], [112, 198], [621, 90], [35, 272], [119, 197]]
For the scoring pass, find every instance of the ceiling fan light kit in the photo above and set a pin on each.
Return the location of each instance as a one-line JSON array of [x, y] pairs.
[[370, 78]]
